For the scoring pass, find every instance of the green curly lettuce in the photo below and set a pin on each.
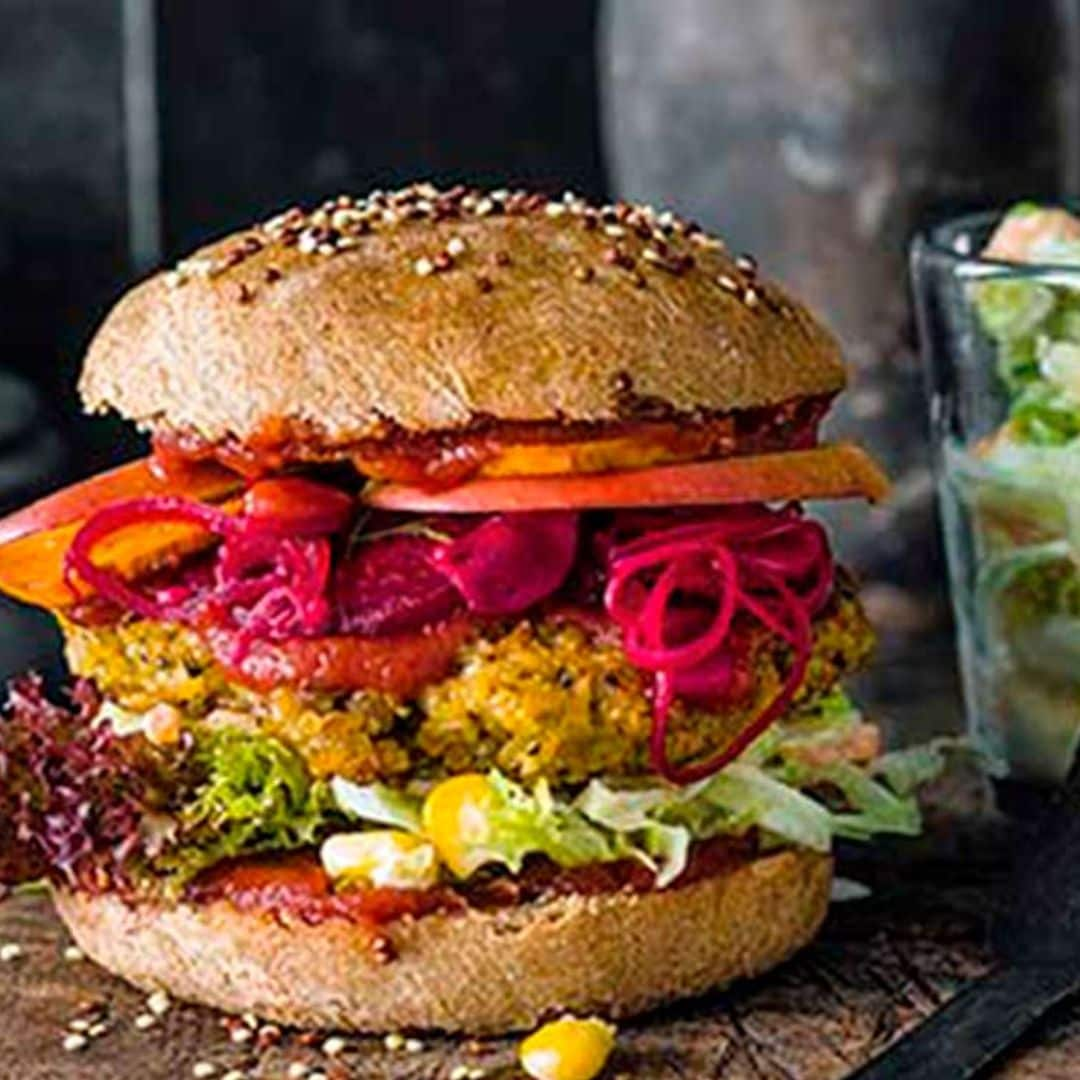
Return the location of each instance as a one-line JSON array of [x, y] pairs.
[[253, 794]]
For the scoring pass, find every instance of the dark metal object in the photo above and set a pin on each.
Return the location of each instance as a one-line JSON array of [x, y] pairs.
[[1037, 940]]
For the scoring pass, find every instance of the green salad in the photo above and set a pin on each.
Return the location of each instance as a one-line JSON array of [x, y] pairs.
[[1033, 317], [1017, 486]]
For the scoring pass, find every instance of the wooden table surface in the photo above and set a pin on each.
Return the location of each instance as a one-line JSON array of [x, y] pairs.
[[880, 965]]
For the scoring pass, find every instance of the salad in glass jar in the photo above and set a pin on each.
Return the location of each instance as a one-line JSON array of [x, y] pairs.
[[1010, 480]]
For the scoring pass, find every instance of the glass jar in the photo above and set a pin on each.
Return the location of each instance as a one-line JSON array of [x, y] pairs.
[[1001, 349]]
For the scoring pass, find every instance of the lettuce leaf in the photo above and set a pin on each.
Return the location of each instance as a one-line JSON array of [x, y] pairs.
[[1033, 318], [775, 788], [794, 786], [254, 795], [523, 823], [905, 771], [869, 806], [1012, 308], [378, 804]]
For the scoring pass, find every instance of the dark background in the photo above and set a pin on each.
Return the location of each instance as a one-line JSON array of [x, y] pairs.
[[818, 133]]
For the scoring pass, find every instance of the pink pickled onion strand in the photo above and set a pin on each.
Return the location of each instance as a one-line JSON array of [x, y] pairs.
[[78, 560], [688, 774], [773, 565], [655, 654], [262, 585]]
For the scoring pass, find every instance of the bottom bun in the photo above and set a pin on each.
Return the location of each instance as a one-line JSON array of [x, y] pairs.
[[480, 972]]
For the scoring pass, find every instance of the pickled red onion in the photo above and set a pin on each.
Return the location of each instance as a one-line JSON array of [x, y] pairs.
[[774, 566], [112, 519], [674, 590], [261, 585], [271, 587]]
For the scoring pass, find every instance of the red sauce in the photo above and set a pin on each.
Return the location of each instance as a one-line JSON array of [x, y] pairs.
[[296, 886], [442, 459], [399, 664]]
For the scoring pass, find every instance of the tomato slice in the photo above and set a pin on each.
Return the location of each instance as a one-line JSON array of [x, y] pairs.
[[34, 541], [825, 472], [206, 481], [292, 506]]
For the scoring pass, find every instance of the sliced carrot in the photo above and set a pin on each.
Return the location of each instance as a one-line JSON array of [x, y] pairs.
[[34, 541], [32, 567]]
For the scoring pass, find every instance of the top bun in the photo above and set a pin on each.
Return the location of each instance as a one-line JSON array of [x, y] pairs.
[[429, 311]]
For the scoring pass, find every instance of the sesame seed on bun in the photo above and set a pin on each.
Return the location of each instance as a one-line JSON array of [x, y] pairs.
[[426, 310]]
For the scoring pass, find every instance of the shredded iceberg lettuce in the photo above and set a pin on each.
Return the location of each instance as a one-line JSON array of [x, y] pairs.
[[523, 822], [806, 780], [377, 804], [795, 786]]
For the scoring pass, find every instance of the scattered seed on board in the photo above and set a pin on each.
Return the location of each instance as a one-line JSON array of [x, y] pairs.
[[394, 1041], [75, 1042], [241, 1035], [468, 1072], [145, 1021], [203, 1070], [333, 1046], [73, 954], [297, 1071], [9, 951], [268, 1035], [413, 1046], [158, 1003]]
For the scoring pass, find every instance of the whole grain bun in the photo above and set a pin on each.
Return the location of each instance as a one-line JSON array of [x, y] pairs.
[[476, 972], [428, 311]]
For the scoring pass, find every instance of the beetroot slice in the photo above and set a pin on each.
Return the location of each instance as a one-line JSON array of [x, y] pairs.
[[390, 586], [511, 561]]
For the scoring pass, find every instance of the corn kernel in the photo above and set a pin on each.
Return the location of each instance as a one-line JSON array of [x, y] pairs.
[[567, 1049], [386, 858], [162, 725], [455, 820]]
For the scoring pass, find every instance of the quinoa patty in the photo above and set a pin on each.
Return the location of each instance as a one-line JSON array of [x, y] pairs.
[[536, 700]]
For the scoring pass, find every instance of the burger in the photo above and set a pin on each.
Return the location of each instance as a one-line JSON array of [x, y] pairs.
[[463, 651]]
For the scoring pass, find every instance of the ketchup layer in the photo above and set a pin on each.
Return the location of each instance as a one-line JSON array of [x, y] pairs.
[[296, 887]]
